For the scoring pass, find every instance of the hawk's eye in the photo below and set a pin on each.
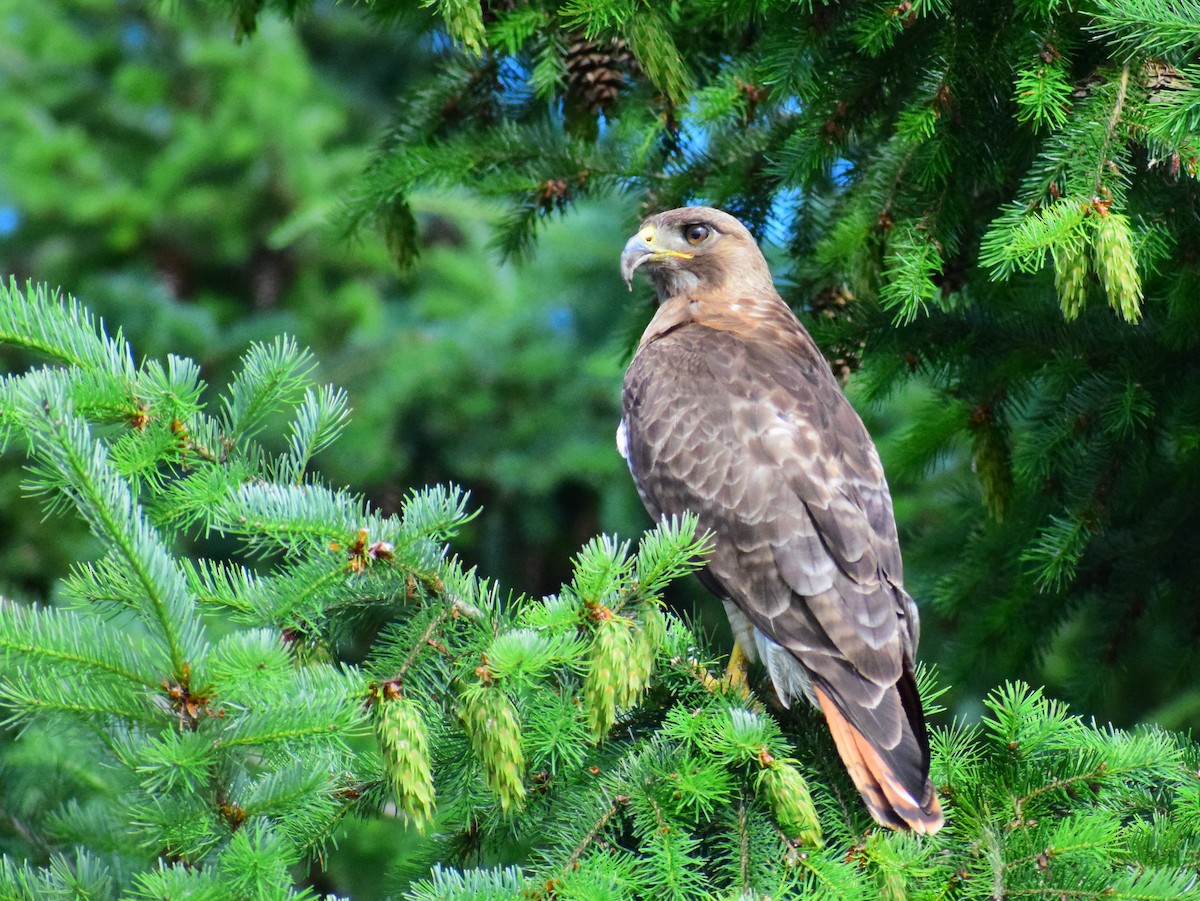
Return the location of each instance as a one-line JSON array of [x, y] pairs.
[[695, 234]]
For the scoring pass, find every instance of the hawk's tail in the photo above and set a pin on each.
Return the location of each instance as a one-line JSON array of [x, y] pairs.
[[890, 802]]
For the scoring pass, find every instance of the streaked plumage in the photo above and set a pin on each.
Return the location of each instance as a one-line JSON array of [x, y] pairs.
[[731, 412]]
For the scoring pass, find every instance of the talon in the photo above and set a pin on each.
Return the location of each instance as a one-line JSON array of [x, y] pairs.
[[733, 681], [736, 672]]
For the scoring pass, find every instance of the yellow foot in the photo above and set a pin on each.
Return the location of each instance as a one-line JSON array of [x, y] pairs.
[[734, 681], [735, 671]]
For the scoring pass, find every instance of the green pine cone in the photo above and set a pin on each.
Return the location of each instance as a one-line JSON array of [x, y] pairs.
[[654, 627], [1116, 266], [1070, 278], [992, 458], [611, 680], [648, 637], [781, 787], [495, 734], [405, 751]]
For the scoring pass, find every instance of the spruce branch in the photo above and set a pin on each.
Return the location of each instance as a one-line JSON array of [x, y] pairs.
[[319, 420], [1103, 157], [1056, 551], [453, 885], [63, 638], [62, 440], [272, 376], [464, 22], [62, 329], [652, 44], [596, 829], [80, 876], [1146, 27], [1043, 95], [669, 552], [318, 702], [743, 844], [271, 517], [32, 696], [424, 642]]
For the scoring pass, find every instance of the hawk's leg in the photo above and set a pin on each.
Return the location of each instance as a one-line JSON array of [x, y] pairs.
[[735, 671], [734, 681]]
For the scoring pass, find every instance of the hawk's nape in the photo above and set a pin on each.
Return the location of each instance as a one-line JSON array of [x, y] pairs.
[[730, 412]]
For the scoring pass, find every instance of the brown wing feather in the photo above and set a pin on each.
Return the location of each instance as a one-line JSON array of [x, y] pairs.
[[758, 441]]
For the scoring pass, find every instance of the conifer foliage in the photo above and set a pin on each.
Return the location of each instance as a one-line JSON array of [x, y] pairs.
[[188, 730]]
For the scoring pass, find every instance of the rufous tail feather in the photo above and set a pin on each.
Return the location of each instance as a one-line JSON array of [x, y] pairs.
[[889, 802]]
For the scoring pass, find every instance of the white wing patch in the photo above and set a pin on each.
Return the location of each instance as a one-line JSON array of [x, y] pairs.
[[623, 441]]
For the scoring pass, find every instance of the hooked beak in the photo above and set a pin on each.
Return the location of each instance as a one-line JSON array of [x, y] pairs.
[[642, 249], [637, 253]]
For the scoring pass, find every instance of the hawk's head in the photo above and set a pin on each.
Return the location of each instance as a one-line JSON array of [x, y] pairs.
[[695, 247]]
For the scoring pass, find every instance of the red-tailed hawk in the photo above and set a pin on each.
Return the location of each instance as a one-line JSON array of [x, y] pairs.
[[731, 412]]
